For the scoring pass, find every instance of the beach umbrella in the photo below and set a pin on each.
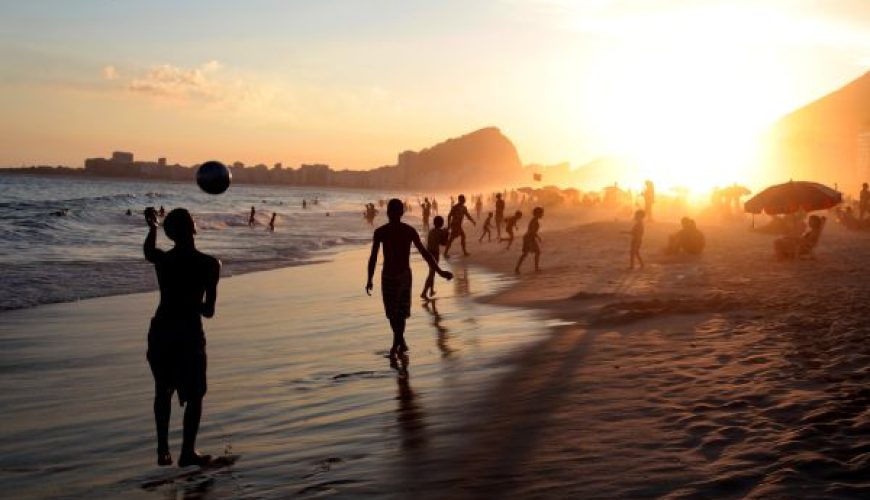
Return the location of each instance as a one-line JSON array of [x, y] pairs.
[[793, 196]]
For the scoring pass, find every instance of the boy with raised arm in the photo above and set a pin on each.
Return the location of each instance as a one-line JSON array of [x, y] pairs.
[[397, 238], [188, 282], [458, 213]]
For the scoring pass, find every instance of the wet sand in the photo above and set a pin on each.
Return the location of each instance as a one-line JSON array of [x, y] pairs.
[[298, 386], [728, 375]]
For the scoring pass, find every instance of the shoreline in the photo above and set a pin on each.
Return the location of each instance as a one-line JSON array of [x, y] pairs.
[[298, 385]]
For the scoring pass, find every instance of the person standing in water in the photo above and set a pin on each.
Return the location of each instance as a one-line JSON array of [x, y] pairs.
[[487, 229], [457, 214], [251, 219], [532, 240], [272, 222], [188, 282], [427, 211], [437, 236], [499, 215], [636, 239], [397, 238]]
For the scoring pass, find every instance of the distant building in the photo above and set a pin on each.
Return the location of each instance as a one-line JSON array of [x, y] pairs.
[[161, 162], [122, 157]]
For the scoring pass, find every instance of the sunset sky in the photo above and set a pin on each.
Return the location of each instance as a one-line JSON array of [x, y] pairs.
[[352, 83]]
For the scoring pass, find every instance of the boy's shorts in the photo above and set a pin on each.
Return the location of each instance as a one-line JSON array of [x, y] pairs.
[[176, 354]]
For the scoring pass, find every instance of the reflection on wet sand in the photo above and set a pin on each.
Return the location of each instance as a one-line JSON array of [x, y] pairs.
[[409, 414], [461, 285], [443, 333]]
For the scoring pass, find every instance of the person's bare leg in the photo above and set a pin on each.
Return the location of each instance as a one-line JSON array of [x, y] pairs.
[[449, 244], [429, 286], [639, 259], [162, 411], [537, 261], [462, 241], [519, 263], [192, 416], [399, 345]]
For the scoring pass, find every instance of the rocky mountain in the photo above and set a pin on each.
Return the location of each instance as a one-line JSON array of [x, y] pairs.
[[484, 158]]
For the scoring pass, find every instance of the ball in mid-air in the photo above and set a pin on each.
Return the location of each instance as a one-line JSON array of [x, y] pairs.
[[213, 177]]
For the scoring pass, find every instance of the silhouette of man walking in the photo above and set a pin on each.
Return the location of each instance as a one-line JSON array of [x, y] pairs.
[[397, 238]]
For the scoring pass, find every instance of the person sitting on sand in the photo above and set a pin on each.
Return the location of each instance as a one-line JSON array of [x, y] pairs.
[[510, 224], [434, 240], [487, 229], [688, 239], [531, 240], [458, 213], [272, 222], [790, 247], [636, 239], [188, 282], [397, 238]]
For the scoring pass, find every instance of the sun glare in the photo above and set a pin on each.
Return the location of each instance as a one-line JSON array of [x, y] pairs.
[[687, 107]]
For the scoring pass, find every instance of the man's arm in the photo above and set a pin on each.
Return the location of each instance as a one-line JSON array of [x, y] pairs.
[[373, 261], [211, 289], [428, 257], [152, 253], [469, 216]]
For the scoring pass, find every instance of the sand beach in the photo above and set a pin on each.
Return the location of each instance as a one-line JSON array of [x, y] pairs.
[[725, 375]]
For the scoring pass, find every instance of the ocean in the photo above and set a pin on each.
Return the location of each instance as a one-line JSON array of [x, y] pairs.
[[96, 249]]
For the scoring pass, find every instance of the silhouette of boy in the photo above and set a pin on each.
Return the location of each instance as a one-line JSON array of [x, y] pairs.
[[531, 240], [487, 229], [458, 213], [636, 239], [510, 224], [251, 219], [397, 237], [436, 237], [499, 215], [188, 282]]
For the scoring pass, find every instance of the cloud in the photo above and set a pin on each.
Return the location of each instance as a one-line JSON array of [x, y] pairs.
[[110, 73], [201, 83]]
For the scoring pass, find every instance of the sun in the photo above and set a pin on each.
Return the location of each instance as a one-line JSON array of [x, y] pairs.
[[688, 108]]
